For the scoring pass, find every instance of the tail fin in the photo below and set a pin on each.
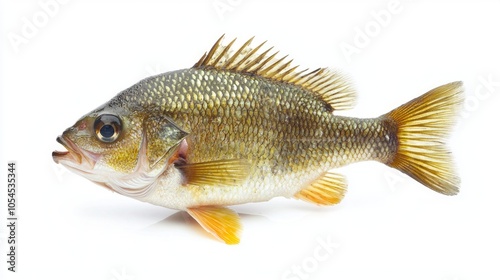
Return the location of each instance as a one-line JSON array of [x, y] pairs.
[[423, 125]]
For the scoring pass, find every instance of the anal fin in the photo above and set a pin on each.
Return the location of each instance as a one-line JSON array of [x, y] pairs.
[[328, 189], [220, 221]]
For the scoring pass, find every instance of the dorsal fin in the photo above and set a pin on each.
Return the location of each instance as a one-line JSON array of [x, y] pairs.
[[330, 86]]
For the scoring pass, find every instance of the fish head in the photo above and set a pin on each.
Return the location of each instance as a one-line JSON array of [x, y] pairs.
[[122, 150]]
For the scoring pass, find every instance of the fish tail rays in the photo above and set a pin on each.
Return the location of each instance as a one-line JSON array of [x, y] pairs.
[[423, 125]]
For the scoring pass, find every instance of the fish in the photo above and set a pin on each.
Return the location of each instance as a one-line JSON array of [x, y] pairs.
[[244, 124]]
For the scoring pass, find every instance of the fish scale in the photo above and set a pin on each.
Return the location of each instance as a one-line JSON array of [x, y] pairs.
[[268, 127], [243, 125], [281, 141]]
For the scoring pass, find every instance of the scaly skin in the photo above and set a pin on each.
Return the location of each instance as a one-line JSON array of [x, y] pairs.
[[287, 134], [245, 126]]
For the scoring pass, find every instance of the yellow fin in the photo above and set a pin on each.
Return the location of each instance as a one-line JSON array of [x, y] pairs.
[[328, 189], [230, 172], [422, 126], [331, 87], [222, 222]]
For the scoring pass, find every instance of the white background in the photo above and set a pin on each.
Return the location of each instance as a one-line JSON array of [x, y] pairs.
[[81, 53]]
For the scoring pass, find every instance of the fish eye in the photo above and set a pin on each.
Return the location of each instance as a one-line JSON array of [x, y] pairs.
[[107, 128]]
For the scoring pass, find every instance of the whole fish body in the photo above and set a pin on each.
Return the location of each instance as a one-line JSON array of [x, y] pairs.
[[243, 125]]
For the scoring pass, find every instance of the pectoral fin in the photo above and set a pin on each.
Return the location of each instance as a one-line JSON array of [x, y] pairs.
[[216, 173], [328, 189], [222, 222]]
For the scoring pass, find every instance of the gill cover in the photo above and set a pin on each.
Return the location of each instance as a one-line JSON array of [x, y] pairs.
[[162, 137], [160, 140]]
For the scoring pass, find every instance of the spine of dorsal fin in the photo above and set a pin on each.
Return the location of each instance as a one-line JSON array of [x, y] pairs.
[[332, 87]]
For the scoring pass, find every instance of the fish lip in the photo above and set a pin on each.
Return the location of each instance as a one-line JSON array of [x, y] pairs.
[[74, 154], [71, 154]]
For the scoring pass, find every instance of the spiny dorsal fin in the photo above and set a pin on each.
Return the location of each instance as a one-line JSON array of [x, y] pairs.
[[330, 86]]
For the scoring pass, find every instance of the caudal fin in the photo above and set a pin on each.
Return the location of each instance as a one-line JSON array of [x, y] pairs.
[[423, 125]]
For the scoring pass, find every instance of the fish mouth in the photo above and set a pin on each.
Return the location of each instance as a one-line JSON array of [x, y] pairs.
[[74, 154], [71, 154]]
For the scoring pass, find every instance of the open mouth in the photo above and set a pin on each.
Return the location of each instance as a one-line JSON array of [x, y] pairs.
[[72, 154]]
